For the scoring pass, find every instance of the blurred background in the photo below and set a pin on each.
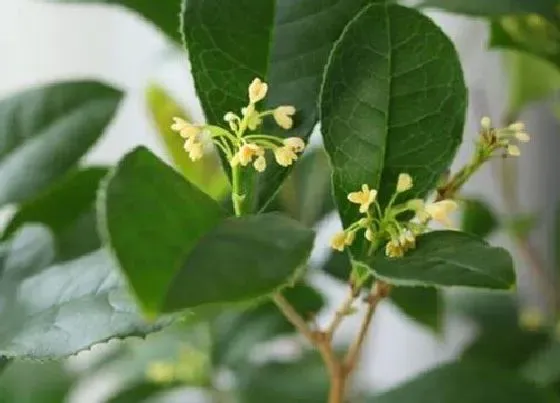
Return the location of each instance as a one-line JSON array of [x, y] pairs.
[[42, 42]]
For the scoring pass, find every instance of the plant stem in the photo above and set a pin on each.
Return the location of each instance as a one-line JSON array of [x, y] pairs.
[[236, 196], [341, 313]]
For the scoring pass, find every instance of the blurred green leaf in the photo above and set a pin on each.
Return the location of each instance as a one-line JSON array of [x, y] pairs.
[[205, 173], [138, 393], [36, 382], [478, 218], [543, 368], [448, 258], [51, 312], [461, 383], [424, 305], [164, 14], [492, 8], [67, 208], [377, 125], [46, 130], [521, 225]]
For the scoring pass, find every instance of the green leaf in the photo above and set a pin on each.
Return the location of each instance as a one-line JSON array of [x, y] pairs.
[[164, 14], [478, 218], [465, 382], [33, 382], [198, 258], [138, 393], [543, 368], [544, 82], [483, 8], [448, 258], [152, 218], [45, 131], [285, 43], [393, 101], [64, 208], [54, 311], [205, 173], [532, 34], [424, 305], [232, 263]]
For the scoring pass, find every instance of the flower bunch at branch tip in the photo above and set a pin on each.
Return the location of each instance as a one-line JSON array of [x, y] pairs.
[[506, 139], [378, 226], [240, 146]]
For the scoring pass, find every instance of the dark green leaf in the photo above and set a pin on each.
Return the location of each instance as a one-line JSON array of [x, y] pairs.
[[393, 101], [339, 266], [55, 311], [424, 305], [46, 130], [34, 382], [205, 173], [152, 218], [465, 382], [478, 218], [531, 34], [65, 208], [240, 259], [493, 8], [164, 14], [448, 258], [286, 43]]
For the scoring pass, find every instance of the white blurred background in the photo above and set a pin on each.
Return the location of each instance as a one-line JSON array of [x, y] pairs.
[[42, 42]]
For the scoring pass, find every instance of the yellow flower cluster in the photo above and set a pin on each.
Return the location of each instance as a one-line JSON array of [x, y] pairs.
[[401, 236], [241, 148], [505, 138]]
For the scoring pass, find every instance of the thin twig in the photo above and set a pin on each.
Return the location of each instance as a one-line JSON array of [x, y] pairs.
[[341, 313]]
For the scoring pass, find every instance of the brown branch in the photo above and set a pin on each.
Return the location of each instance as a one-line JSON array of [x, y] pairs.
[[341, 313]]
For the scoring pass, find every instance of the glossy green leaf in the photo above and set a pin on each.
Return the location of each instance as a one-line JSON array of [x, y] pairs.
[[205, 173], [424, 305], [152, 218], [393, 101], [232, 263], [54, 311], [164, 14], [478, 218], [465, 382], [448, 258], [46, 130], [33, 382], [288, 48], [543, 83], [493, 8], [67, 209], [532, 34]]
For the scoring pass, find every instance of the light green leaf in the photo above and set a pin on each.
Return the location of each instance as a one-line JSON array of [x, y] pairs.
[[232, 263], [46, 130], [478, 218], [393, 101], [66, 208], [205, 173], [286, 43], [493, 8], [448, 258], [465, 382], [543, 368], [54, 311], [164, 14], [424, 305], [152, 218]]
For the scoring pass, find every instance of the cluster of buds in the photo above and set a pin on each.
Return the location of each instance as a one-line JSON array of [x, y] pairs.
[[400, 236], [505, 139], [240, 146]]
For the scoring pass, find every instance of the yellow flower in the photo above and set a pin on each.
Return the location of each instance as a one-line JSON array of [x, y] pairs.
[[295, 143], [247, 152], [253, 118], [394, 249], [338, 241], [513, 150], [184, 128], [194, 149], [404, 183], [260, 164], [283, 116], [486, 123], [407, 240], [439, 211], [364, 197], [232, 120], [284, 156], [257, 90]]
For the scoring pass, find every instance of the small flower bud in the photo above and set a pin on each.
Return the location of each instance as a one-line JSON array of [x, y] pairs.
[[338, 241], [257, 90], [404, 183], [283, 116], [295, 143], [284, 156], [522, 136], [350, 236], [370, 235], [260, 164], [486, 123], [513, 150], [517, 127]]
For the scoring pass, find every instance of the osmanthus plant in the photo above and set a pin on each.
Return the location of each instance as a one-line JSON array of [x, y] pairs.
[[99, 253]]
